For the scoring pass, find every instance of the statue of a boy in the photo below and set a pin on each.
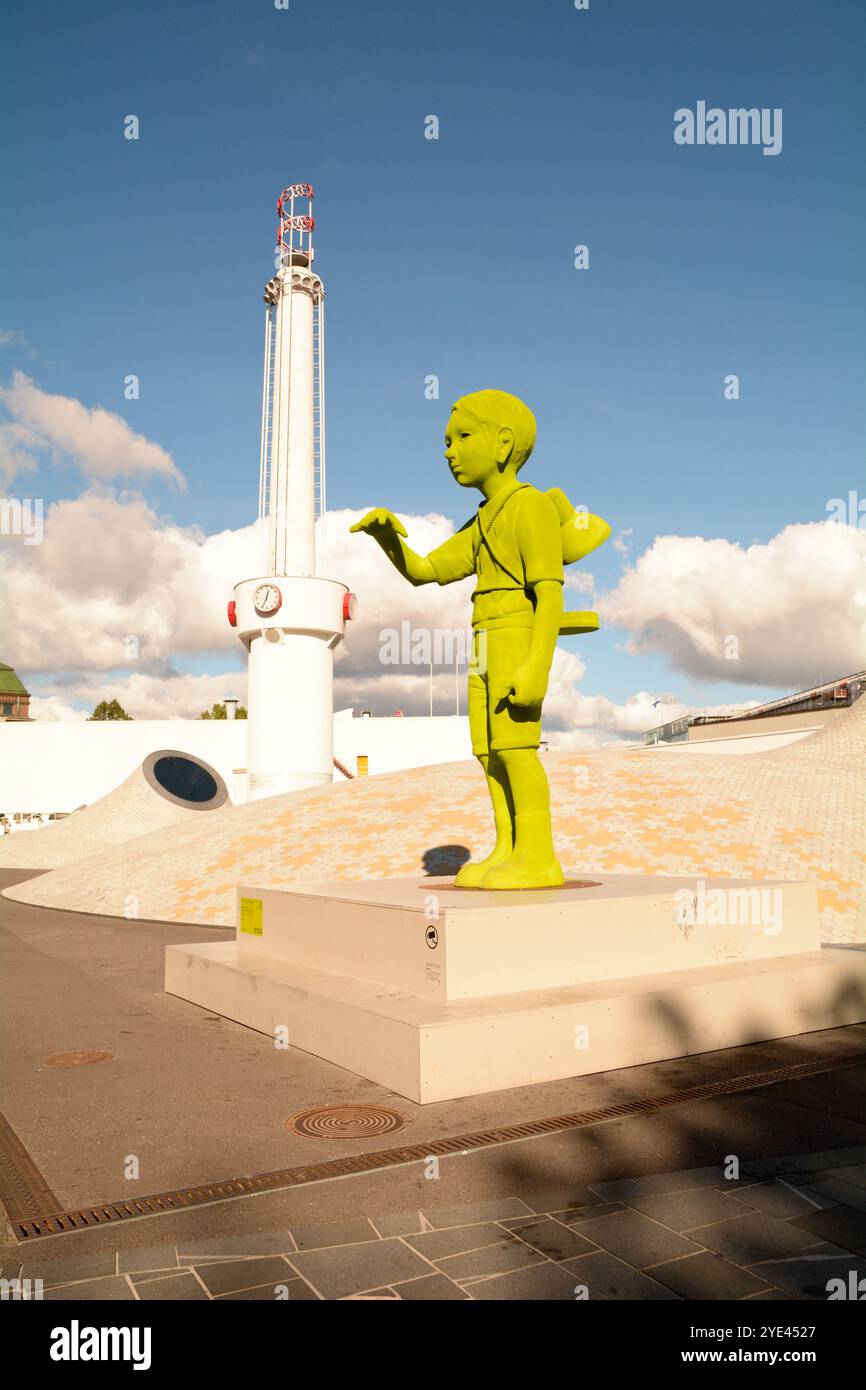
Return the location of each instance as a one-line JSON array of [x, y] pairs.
[[515, 545]]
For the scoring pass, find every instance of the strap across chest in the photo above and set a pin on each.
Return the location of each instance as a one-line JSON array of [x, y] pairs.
[[484, 540]]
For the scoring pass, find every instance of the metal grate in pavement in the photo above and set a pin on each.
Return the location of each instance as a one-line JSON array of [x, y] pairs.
[[27, 1225]]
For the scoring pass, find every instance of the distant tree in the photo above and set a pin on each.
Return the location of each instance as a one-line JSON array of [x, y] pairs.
[[219, 712], [109, 709]]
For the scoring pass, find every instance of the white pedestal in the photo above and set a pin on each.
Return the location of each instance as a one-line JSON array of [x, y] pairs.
[[437, 993]]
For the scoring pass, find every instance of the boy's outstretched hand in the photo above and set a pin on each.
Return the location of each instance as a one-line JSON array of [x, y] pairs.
[[378, 522]]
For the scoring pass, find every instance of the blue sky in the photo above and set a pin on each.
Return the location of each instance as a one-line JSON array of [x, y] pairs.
[[455, 256]]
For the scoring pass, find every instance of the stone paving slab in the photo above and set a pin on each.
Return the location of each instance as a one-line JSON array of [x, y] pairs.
[[295, 1291], [780, 1199], [855, 1173], [748, 1239], [631, 1249], [708, 1276], [576, 1218], [347, 1269], [456, 1240], [551, 1238], [637, 1239], [430, 1288], [806, 1276], [235, 1275], [180, 1287], [837, 1189], [233, 1247], [115, 1289], [400, 1223], [490, 1259], [685, 1209], [613, 1279], [839, 1224], [549, 1282], [320, 1236]]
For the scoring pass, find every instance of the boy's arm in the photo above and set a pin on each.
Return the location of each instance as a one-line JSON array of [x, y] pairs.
[[388, 531], [528, 685]]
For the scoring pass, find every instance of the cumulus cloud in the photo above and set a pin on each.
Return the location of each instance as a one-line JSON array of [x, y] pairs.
[[117, 599], [177, 696], [99, 443], [114, 584], [778, 613], [54, 708]]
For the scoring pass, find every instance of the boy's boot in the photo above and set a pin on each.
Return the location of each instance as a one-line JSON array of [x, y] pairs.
[[471, 874], [533, 863]]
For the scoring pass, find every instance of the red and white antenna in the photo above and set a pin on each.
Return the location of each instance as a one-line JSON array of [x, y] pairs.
[[293, 226], [289, 617]]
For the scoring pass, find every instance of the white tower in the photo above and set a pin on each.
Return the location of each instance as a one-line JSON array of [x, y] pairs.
[[290, 618]]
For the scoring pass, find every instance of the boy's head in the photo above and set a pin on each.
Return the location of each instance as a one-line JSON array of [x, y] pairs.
[[507, 425]]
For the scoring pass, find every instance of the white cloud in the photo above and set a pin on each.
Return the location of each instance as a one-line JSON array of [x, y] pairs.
[[143, 696], [111, 569], [101, 444], [789, 605], [579, 580], [54, 708]]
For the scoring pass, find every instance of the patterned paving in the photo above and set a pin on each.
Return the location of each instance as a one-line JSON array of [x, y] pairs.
[[781, 1230], [798, 812]]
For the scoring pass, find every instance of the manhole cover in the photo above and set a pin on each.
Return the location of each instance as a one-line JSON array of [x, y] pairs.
[[77, 1059], [345, 1122]]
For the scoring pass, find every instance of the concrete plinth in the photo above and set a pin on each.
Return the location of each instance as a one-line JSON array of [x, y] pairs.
[[438, 993]]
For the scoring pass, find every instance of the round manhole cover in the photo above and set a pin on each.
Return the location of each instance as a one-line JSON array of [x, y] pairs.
[[345, 1122], [77, 1059]]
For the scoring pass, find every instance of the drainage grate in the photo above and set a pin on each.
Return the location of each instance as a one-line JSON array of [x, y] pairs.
[[345, 1122], [77, 1059], [26, 1227], [22, 1187]]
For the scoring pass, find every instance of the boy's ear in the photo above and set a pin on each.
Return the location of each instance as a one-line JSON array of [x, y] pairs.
[[504, 444]]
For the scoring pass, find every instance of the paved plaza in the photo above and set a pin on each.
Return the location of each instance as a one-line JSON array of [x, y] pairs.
[[636, 1206]]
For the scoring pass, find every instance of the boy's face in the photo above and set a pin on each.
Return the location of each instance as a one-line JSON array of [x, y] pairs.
[[472, 449]]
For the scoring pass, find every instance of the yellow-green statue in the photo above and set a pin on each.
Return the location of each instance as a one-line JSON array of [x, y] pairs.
[[516, 546]]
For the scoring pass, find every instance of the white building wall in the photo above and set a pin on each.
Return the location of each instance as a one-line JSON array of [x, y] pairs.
[[744, 743], [48, 766], [393, 744]]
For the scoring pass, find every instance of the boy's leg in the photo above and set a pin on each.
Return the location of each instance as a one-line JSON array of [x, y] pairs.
[[497, 782], [533, 863], [503, 819]]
